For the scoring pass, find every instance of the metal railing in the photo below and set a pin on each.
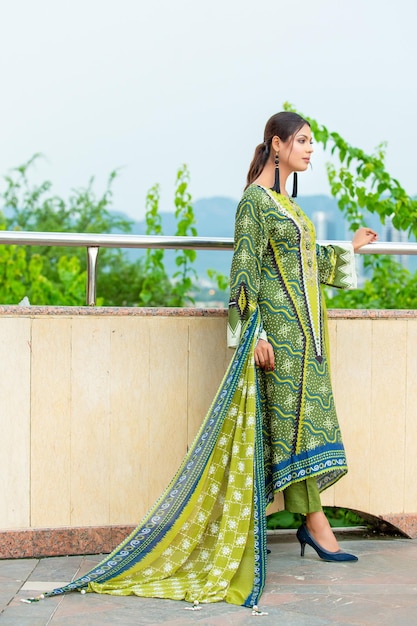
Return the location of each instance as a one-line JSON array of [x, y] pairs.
[[93, 242]]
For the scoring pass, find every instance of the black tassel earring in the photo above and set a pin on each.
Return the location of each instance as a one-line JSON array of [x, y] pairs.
[[294, 185], [276, 183]]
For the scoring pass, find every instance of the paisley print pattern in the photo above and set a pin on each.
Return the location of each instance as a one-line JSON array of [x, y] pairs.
[[280, 268]]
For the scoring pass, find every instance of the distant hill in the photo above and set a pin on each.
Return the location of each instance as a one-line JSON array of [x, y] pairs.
[[215, 216]]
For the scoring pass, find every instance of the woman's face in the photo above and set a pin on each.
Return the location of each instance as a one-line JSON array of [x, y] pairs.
[[296, 151]]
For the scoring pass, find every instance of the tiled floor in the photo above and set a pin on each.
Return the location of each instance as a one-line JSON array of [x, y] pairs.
[[379, 589]]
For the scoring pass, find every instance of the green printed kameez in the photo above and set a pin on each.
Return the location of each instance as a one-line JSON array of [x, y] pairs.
[[278, 268]]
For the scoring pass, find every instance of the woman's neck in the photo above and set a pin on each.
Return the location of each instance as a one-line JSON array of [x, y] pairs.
[[267, 178]]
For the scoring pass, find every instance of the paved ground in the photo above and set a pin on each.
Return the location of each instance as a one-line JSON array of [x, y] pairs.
[[379, 589]]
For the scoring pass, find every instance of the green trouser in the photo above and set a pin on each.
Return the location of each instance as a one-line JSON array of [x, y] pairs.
[[303, 497]]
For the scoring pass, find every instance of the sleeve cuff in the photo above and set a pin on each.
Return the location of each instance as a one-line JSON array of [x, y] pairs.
[[346, 276]]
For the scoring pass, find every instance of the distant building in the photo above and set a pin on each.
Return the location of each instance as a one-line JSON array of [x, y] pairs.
[[321, 220]]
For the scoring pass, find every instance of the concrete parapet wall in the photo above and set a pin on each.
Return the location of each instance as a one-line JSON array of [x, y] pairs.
[[99, 405]]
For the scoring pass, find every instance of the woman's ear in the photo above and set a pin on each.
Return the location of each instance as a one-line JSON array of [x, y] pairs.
[[275, 143]]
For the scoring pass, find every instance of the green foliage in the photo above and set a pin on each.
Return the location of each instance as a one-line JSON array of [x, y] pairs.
[[32, 208], [22, 274], [361, 181], [57, 275], [119, 280], [221, 280], [284, 519], [156, 285], [52, 274], [338, 517], [184, 259]]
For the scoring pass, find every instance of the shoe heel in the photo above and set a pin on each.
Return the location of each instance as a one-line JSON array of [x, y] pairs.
[[301, 538]]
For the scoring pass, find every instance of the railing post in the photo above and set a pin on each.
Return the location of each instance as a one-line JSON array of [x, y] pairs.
[[92, 255]]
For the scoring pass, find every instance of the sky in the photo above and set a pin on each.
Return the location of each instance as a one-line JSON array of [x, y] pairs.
[[145, 86]]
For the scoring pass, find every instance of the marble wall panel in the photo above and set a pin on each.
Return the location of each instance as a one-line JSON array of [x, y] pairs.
[[90, 420], [167, 411], [388, 420], [352, 373], [209, 358], [130, 455], [15, 390], [51, 422], [410, 451]]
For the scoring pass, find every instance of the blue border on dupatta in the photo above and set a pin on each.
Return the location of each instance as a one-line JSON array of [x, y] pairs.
[[260, 528]]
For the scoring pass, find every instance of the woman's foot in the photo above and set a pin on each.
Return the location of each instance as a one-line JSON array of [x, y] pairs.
[[319, 528], [304, 537]]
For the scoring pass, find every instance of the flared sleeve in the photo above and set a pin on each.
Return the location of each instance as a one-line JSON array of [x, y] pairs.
[[245, 276], [336, 265]]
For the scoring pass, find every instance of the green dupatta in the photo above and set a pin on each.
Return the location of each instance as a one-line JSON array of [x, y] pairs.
[[204, 540]]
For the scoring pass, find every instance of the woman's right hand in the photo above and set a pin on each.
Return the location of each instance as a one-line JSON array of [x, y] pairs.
[[362, 237], [264, 355]]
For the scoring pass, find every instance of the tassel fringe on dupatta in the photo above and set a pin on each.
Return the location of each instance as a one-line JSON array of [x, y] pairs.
[[204, 540]]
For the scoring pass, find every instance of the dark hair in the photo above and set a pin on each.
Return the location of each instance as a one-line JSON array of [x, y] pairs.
[[283, 125]]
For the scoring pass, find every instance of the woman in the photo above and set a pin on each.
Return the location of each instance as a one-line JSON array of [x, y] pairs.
[[204, 540], [277, 267]]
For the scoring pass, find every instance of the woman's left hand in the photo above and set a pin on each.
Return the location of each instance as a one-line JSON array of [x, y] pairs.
[[362, 237]]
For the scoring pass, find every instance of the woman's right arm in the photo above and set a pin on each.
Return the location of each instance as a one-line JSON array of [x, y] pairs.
[[245, 274]]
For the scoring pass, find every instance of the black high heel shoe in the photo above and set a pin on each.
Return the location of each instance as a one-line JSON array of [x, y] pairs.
[[304, 537]]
